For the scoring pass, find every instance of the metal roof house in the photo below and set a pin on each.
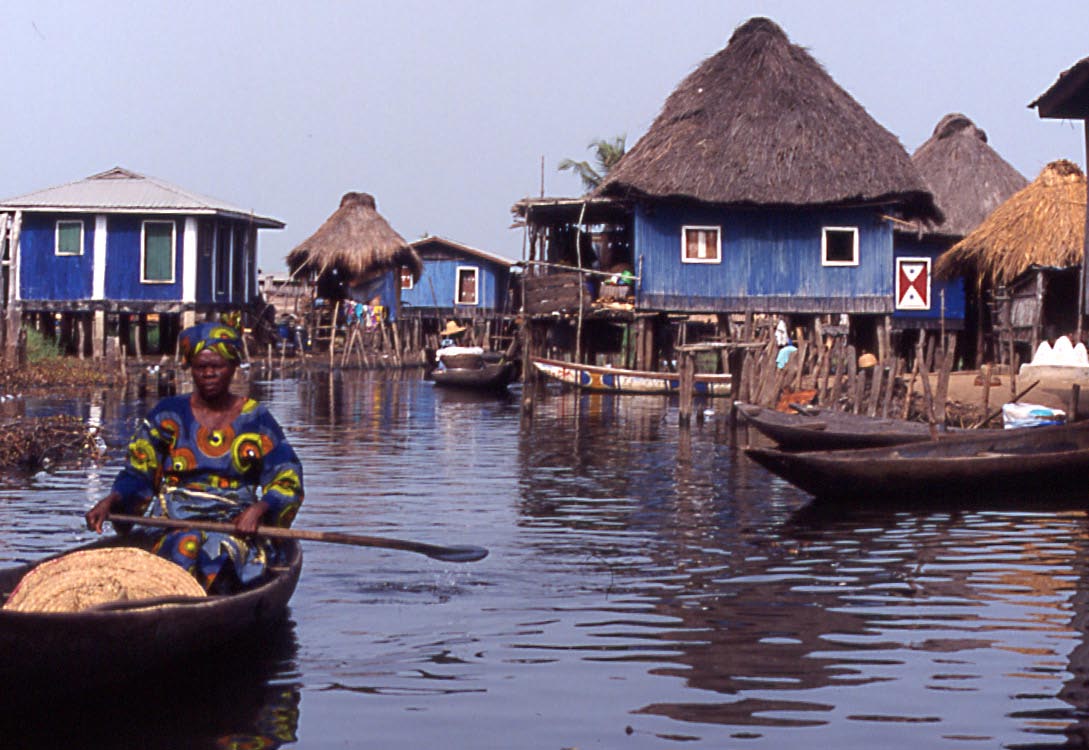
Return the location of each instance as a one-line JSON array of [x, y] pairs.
[[456, 278], [119, 243]]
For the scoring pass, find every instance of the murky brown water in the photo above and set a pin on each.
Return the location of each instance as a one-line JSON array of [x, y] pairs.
[[646, 588]]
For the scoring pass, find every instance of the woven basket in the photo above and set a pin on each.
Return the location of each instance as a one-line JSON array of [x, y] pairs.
[[85, 579]]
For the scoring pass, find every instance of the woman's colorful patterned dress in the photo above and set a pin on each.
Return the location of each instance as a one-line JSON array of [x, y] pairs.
[[178, 468]]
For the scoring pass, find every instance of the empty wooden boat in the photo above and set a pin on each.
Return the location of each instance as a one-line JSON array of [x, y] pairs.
[[616, 380], [821, 428], [1035, 462]]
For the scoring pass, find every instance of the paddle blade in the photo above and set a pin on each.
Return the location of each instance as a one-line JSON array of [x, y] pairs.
[[459, 553]]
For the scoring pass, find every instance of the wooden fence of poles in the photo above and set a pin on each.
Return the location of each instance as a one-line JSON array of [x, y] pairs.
[[826, 370]]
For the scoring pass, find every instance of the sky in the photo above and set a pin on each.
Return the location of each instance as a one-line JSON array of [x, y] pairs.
[[446, 111]]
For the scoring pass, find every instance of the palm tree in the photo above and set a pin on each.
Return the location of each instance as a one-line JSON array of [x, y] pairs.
[[606, 154]]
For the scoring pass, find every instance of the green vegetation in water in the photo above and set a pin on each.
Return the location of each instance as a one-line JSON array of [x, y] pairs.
[[39, 348], [47, 367]]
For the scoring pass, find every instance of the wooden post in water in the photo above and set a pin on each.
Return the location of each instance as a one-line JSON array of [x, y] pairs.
[[986, 373], [687, 372], [333, 337], [944, 373]]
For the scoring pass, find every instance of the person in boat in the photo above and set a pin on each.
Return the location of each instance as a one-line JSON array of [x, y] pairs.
[[451, 335], [452, 351], [210, 455]]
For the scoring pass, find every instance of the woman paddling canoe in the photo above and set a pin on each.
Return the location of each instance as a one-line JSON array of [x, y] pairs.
[[211, 455]]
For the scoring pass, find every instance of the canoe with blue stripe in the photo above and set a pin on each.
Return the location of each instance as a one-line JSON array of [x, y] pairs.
[[616, 380]]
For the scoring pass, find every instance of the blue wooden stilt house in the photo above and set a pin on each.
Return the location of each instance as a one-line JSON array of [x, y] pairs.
[[969, 180], [457, 279], [761, 187], [119, 246]]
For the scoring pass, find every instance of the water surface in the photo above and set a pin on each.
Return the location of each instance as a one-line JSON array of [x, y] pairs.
[[647, 587]]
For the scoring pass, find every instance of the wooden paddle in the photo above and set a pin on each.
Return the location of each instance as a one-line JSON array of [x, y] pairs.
[[463, 553], [998, 412]]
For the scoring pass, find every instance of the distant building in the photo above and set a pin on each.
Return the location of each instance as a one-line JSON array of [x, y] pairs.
[[762, 186], [123, 244], [1027, 254], [1068, 99], [356, 255], [456, 278], [969, 180]]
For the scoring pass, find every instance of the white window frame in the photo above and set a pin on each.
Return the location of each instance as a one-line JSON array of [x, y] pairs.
[[694, 228], [173, 250], [476, 285], [929, 287], [411, 281], [824, 247], [56, 237]]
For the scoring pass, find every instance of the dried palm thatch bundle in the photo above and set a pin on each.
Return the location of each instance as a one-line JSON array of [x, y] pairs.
[[35, 443], [89, 578], [1042, 224], [761, 123], [354, 244], [968, 178]]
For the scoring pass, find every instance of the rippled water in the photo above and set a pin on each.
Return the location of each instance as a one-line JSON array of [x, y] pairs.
[[647, 587]]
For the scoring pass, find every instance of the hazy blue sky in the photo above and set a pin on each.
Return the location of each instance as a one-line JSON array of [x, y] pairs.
[[444, 110]]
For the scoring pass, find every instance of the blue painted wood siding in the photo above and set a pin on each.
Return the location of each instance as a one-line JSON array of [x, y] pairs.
[[771, 261], [44, 275], [123, 261], [436, 287], [908, 246]]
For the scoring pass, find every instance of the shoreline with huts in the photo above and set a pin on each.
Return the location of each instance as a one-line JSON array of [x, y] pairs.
[[763, 196]]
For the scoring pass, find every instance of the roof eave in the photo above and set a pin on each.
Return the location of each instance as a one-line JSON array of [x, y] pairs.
[[1068, 97], [263, 222]]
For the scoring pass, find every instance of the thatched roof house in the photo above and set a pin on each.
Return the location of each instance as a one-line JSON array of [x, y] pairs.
[[761, 123], [354, 246], [968, 178], [1068, 97], [1042, 224]]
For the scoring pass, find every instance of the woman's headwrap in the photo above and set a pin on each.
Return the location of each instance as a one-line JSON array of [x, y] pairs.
[[220, 338]]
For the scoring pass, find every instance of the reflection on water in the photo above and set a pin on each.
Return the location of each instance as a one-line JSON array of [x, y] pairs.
[[244, 699], [647, 587]]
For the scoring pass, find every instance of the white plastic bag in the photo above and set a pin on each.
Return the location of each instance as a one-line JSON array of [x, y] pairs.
[[1016, 415]]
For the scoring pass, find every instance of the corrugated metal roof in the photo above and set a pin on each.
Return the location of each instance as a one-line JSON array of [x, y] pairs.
[[497, 259], [119, 190]]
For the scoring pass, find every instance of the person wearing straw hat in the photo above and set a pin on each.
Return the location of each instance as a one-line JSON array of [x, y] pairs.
[[210, 455], [451, 334]]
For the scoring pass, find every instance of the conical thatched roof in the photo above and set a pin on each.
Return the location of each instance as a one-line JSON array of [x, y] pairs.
[[761, 123], [356, 242], [1040, 225], [968, 178]]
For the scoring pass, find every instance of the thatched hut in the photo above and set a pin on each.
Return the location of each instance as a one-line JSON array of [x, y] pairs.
[[1027, 253], [761, 187], [967, 177], [1068, 98], [969, 180], [761, 123], [355, 253]]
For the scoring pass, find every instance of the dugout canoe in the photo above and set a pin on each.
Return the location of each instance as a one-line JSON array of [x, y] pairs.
[[80, 651], [812, 428], [1037, 463], [490, 376], [616, 380]]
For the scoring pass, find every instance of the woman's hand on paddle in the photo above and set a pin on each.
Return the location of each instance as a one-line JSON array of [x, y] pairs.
[[97, 515], [246, 523]]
